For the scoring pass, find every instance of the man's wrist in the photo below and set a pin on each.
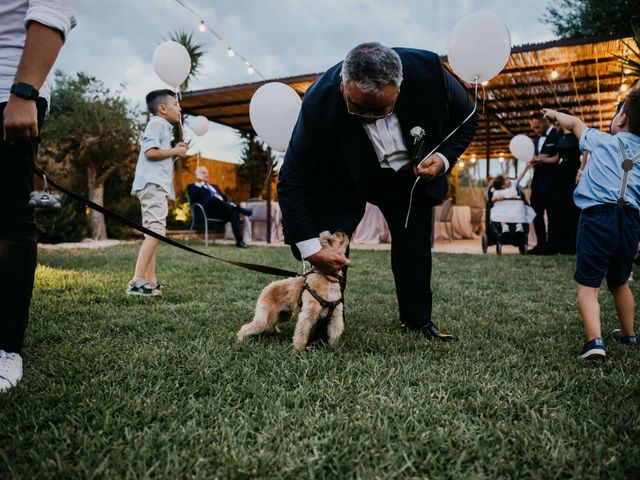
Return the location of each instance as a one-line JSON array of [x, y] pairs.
[[445, 161], [309, 247]]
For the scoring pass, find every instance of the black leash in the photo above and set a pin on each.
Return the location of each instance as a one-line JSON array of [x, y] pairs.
[[99, 208]]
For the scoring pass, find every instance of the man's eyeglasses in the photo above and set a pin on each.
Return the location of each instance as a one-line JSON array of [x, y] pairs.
[[369, 114]]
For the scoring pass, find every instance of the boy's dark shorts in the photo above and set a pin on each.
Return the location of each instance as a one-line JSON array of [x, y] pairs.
[[607, 242]]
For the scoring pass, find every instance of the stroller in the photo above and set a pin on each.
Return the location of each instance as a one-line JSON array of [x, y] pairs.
[[493, 230]]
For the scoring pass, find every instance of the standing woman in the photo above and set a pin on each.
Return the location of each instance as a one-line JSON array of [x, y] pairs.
[[568, 167]]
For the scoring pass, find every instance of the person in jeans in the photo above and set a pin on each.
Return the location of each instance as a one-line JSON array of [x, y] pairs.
[[32, 33]]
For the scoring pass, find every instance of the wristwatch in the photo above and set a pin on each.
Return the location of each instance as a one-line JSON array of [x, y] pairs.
[[24, 90]]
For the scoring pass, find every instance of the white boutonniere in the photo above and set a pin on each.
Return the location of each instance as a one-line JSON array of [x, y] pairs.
[[417, 133]]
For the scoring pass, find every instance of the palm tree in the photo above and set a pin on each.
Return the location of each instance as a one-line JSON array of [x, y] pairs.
[[196, 52], [632, 63]]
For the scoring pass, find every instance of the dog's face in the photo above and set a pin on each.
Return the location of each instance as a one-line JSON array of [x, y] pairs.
[[336, 241]]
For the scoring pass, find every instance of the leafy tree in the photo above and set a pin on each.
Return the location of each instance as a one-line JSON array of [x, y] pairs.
[[93, 131], [578, 18], [253, 170]]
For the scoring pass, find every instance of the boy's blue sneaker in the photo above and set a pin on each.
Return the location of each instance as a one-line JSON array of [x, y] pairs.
[[592, 349], [618, 337]]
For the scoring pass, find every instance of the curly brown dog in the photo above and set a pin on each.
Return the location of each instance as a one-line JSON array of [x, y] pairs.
[[311, 296]]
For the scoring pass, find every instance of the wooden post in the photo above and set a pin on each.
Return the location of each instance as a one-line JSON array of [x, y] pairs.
[[269, 166], [488, 124]]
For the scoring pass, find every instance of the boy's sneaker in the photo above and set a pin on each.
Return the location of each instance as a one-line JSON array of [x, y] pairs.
[[143, 288], [618, 337], [592, 349], [10, 370]]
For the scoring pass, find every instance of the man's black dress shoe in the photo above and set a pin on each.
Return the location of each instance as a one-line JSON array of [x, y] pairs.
[[241, 244], [430, 331], [536, 251], [247, 212]]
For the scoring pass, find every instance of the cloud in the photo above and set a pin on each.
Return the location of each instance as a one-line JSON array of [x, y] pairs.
[[115, 39]]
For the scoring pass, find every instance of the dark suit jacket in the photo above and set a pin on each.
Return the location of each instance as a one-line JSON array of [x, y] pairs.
[[325, 180], [545, 174], [208, 200]]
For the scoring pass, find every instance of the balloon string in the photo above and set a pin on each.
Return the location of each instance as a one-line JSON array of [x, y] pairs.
[[475, 108]]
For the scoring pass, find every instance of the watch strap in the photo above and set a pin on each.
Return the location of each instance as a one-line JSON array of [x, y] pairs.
[[24, 90]]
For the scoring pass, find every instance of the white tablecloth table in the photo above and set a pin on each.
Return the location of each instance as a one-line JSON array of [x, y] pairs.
[[460, 221], [372, 228], [255, 226]]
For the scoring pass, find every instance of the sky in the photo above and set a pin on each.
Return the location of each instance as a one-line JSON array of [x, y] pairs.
[[115, 40]]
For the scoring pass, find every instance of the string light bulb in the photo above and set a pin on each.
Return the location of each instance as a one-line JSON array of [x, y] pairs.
[[473, 160], [250, 70], [627, 71], [485, 83], [554, 74], [624, 87], [230, 52], [461, 163], [203, 26]]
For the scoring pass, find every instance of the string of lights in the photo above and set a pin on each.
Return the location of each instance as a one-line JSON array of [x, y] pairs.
[[203, 26]]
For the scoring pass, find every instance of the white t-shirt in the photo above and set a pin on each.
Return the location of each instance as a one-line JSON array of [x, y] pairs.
[[157, 134], [15, 15]]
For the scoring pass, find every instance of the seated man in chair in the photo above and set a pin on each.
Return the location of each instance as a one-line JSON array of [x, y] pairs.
[[216, 204]]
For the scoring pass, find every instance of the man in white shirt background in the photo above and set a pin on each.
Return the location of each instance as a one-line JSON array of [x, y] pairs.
[[32, 33], [544, 186]]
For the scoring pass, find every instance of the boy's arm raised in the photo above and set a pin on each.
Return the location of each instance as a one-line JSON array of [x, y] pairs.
[[159, 154], [569, 122]]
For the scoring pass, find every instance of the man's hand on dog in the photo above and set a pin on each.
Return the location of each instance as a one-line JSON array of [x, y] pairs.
[[429, 168], [329, 263]]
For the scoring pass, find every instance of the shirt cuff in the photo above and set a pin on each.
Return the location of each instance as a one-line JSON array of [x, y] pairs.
[[309, 247], [58, 15], [446, 162]]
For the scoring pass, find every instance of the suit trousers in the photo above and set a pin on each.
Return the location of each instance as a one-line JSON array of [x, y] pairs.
[[547, 236], [410, 246], [216, 208], [18, 245]]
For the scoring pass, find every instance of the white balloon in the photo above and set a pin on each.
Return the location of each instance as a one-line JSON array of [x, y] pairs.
[[479, 47], [522, 147], [199, 125], [273, 112], [172, 63]]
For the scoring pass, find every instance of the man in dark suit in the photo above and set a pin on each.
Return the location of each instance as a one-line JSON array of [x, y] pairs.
[[216, 204], [351, 145], [544, 186]]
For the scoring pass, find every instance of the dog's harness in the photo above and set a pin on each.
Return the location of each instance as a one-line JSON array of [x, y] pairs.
[[323, 303], [627, 165]]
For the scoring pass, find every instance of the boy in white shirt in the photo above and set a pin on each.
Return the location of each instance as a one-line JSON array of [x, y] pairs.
[[153, 184]]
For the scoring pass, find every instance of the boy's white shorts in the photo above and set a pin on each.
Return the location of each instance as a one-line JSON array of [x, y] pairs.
[[154, 202]]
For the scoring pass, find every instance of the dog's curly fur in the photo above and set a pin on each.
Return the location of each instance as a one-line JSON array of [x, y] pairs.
[[281, 299]]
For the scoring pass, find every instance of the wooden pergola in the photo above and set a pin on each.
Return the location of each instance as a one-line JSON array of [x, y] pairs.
[[588, 80]]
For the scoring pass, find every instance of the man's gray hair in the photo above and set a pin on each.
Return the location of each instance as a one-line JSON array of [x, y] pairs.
[[200, 170], [372, 66]]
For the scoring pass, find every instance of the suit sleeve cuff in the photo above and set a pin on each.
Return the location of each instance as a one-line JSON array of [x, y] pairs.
[[309, 247], [446, 162]]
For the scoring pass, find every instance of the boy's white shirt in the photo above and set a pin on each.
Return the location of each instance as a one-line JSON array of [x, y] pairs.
[[157, 134]]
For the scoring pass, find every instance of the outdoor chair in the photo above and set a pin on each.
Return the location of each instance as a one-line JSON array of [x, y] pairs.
[[199, 215]]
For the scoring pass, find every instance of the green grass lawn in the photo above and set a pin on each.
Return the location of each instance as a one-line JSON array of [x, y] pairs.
[[119, 387]]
